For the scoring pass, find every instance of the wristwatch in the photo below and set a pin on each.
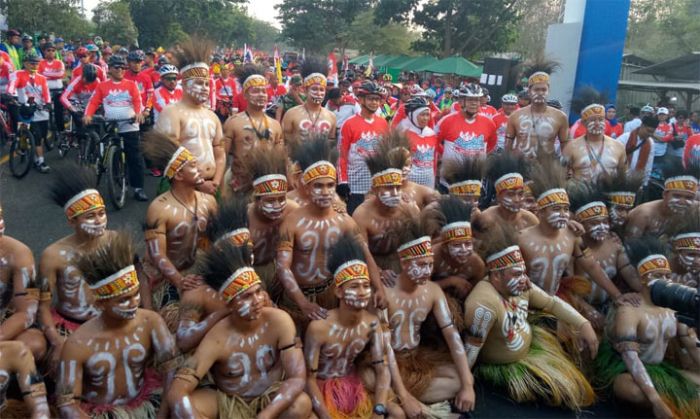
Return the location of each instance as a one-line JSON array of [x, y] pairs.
[[380, 409]]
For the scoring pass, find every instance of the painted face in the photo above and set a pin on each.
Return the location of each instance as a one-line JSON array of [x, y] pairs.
[[511, 199], [389, 196], [652, 277], [250, 303], [538, 93], [93, 223], [272, 206], [123, 307], [557, 216], [2, 224], [618, 215], [316, 93], [460, 250], [257, 96], [321, 192], [678, 201], [595, 126], [406, 170], [597, 229], [190, 175], [357, 293], [516, 280], [690, 259], [419, 270], [198, 89]]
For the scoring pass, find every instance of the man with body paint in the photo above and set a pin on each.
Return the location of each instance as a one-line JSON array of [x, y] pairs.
[[16, 359], [685, 244], [593, 154], [513, 353], [176, 222], [421, 372], [334, 343], [464, 177], [398, 147], [307, 235], [252, 356], [106, 364], [65, 300], [303, 121], [633, 360], [19, 294], [620, 192], [533, 129], [249, 129], [190, 123], [679, 196]]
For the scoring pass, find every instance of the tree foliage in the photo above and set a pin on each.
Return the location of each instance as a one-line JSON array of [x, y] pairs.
[[113, 22], [367, 36], [61, 17], [463, 27], [663, 30]]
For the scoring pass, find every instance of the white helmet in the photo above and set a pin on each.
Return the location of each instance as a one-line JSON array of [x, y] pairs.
[[509, 98], [167, 69]]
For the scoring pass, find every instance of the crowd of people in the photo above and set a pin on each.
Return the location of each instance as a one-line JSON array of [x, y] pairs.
[[361, 250]]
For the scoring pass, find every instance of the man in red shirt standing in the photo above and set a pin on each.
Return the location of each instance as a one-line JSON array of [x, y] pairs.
[[82, 54], [274, 89], [143, 80], [360, 136], [54, 71], [169, 90], [485, 109], [509, 103], [121, 99], [226, 90], [466, 133]]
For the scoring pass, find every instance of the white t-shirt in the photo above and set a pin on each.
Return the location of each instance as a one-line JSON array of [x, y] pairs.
[[633, 124], [635, 156]]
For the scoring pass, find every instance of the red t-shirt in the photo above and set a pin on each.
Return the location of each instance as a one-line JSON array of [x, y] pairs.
[[54, 71], [359, 139], [226, 89], [145, 85], [615, 130], [274, 93], [692, 150], [425, 152], [460, 137], [78, 71], [488, 111], [501, 121], [240, 102]]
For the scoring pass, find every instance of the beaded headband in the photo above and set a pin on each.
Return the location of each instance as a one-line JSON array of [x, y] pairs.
[[195, 70], [460, 230], [466, 188], [119, 283], [592, 110], [237, 237], [622, 199], [591, 211], [681, 183], [177, 162], [270, 185], [388, 177], [318, 170], [351, 270], [506, 258], [256, 80], [418, 248], [86, 201], [239, 282], [653, 263], [538, 77], [315, 78], [686, 241], [556, 196], [509, 181]]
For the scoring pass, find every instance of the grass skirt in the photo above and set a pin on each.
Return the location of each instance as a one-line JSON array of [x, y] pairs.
[[346, 397], [236, 407], [545, 373], [417, 366], [679, 393], [144, 406]]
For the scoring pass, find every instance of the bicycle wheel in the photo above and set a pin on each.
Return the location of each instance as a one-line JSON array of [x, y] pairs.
[[22, 153], [89, 150], [116, 175]]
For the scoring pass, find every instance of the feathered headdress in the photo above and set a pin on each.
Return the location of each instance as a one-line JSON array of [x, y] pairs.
[[449, 216], [227, 269], [268, 169], [548, 182], [539, 68], [192, 57], [589, 102], [414, 240], [250, 75], [499, 248], [464, 175], [74, 188], [313, 71], [647, 254], [587, 202], [506, 171], [313, 157], [347, 260], [230, 222], [620, 187], [164, 153], [109, 269]]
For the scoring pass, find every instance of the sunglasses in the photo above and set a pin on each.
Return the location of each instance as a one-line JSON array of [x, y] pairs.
[[118, 67], [169, 78]]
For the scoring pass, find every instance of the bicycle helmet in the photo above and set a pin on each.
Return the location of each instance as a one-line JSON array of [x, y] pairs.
[[368, 88], [387, 77], [136, 55], [470, 90], [123, 51], [115, 60], [415, 103], [26, 37], [92, 48], [81, 52], [98, 41], [163, 60], [430, 94], [167, 69], [32, 58], [509, 98], [107, 50], [416, 90], [89, 72]]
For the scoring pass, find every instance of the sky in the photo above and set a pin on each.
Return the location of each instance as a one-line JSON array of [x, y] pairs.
[[260, 9]]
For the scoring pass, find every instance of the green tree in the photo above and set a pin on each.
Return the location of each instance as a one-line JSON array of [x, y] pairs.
[[319, 25], [113, 22], [464, 27], [263, 35], [367, 36], [61, 17]]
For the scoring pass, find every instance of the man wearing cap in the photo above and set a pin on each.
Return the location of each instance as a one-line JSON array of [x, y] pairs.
[[141, 78], [169, 91], [509, 104], [84, 57], [28, 47], [53, 69], [594, 153], [535, 128], [226, 89], [12, 47]]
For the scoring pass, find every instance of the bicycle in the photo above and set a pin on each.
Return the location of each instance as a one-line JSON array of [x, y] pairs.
[[23, 144], [6, 130], [105, 153]]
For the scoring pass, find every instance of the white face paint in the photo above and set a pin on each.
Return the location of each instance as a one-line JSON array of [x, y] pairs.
[[617, 217], [419, 274], [460, 250], [317, 93], [690, 259], [558, 219], [600, 231], [595, 127], [320, 199], [406, 170], [518, 283], [508, 204], [677, 205], [124, 310], [355, 298], [390, 199], [272, 211], [199, 92], [93, 228]]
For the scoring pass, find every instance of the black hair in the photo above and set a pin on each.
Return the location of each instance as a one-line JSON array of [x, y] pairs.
[[586, 96], [334, 93], [310, 151], [70, 180], [262, 161], [409, 228], [313, 65], [650, 121], [193, 50], [231, 215], [496, 238], [158, 148], [220, 262], [345, 249], [463, 168], [689, 223], [447, 209], [640, 247], [583, 193], [109, 257], [620, 181], [246, 70], [539, 63], [503, 163], [546, 174], [634, 110]]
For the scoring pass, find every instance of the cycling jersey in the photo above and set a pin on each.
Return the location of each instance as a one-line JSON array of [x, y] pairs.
[[500, 120], [487, 111], [6, 71], [78, 71], [663, 134], [163, 97], [692, 150], [6, 57], [54, 71], [120, 100], [461, 137], [425, 151], [360, 138], [24, 85], [226, 89], [78, 91], [145, 85]]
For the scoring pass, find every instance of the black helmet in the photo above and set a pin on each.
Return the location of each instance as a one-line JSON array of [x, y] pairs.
[[163, 60], [136, 55], [416, 102], [90, 72], [32, 58], [115, 60], [368, 87]]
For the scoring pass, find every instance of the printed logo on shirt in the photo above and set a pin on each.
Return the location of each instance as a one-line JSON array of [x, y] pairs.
[[119, 98], [469, 144], [424, 156], [367, 144]]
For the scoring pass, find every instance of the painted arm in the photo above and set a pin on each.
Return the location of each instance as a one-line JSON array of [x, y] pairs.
[[166, 353], [287, 125], [30, 382], [627, 271], [25, 299], [312, 349], [587, 264], [70, 383], [157, 248], [379, 361], [478, 322], [510, 133], [219, 155], [294, 367], [47, 286], [379, 295], [187, 378], [192, 328], [563, 133]]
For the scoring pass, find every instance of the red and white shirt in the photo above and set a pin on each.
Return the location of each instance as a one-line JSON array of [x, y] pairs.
[[54, 71], [78, 91], [488, 111], [25, 85], [425, 151], [163, 97], [460, 137], [226, 88], [145, 85], [78, 71], [501, 121], [274, 93], [662, 135], [6, 70], [120, 100], [359, 140]]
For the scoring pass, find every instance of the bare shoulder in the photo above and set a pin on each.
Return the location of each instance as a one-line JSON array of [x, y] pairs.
[[278, 317]]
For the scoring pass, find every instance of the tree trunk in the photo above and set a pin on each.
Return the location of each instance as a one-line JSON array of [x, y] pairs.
[[447, 45]]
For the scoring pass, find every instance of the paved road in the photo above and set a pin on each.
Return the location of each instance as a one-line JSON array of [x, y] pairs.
[[31, 216]]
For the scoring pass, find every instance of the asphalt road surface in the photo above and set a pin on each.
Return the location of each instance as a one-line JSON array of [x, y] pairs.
[[31, 216]]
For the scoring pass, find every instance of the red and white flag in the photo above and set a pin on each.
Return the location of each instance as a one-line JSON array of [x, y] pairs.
[[332, 69]]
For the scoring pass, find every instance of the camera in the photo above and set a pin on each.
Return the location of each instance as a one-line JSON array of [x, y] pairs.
[[684, 300]]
